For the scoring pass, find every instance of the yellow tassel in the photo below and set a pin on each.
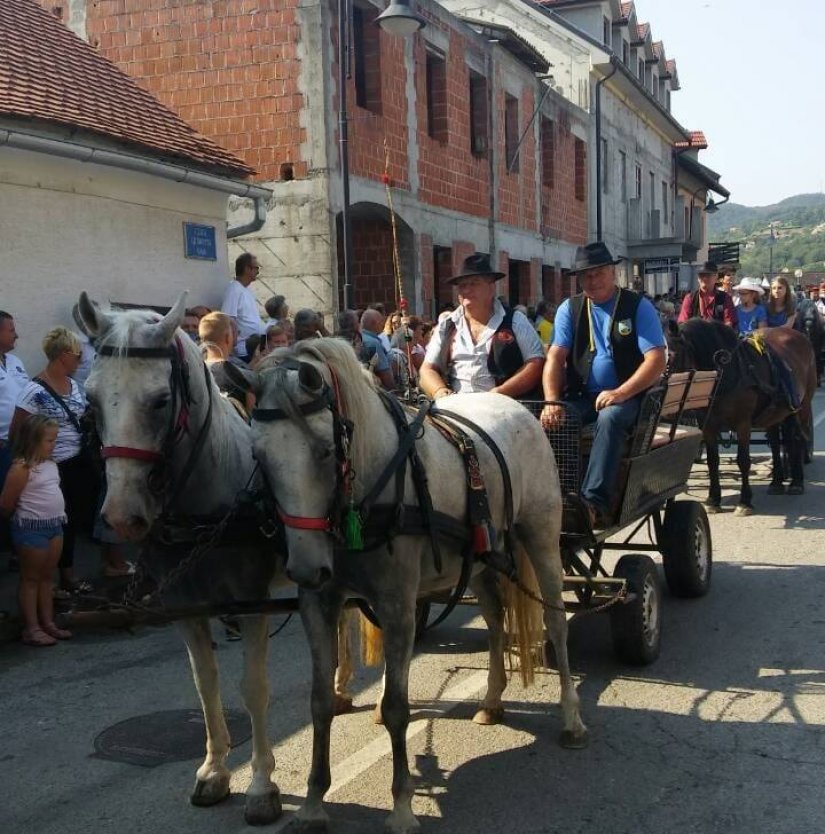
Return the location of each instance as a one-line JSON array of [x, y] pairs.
[[372, 643]]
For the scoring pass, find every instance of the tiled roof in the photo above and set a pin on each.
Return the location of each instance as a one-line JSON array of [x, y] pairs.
[[697, 140], [658, 49], [671, 66], [627, 8], [642, 31], [49, 74]]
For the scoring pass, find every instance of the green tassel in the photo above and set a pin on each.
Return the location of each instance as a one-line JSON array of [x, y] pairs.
[[352, 529]]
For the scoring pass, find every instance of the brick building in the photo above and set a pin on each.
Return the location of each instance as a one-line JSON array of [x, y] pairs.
[[439, 116]]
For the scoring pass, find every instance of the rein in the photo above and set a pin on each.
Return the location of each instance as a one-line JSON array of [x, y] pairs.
[[179, 415]]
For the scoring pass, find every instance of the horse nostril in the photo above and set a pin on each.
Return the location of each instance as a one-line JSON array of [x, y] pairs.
[[324, 575], [138, 524]]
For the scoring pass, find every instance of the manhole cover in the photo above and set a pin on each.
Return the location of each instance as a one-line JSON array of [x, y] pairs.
[[172, 736]]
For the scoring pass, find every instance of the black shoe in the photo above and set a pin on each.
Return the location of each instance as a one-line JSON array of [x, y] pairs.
[[585, 516]]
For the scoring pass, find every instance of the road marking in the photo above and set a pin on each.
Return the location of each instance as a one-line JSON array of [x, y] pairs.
[[351, 768]]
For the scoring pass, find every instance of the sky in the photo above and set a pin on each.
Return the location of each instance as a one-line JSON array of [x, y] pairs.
[[753, 79]]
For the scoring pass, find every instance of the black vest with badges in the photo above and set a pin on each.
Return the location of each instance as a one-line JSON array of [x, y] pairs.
[[623, 339], [718, 309]]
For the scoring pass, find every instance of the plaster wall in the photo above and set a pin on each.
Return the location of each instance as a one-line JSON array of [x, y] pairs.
[[67, 226]]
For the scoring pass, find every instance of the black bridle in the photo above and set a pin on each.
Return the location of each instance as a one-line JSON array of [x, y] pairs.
[[179, 414], [328, 399]]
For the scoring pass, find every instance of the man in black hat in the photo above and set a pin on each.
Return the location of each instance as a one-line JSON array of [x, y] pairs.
[[608, 349], [482, 346], [709, 301]]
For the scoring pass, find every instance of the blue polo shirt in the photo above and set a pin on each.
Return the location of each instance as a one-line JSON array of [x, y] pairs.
[[603, 376]]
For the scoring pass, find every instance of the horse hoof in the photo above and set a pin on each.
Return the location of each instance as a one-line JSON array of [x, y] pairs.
[[312, 826], [263, 809], [487, 717], [574, 741], [743, 509], [712, 509], [796, 489], [777, 488], [398, 824], [343, 704], [377, 717], [210, 791]]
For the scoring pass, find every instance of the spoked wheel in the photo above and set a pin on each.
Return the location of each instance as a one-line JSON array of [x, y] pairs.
[[687, 552], [636, 626]]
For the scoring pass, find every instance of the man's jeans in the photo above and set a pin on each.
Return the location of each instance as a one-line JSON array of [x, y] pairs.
[[612, 426]]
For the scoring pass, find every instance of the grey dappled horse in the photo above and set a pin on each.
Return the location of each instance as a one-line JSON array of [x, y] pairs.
[[301, 460], [136, 391]]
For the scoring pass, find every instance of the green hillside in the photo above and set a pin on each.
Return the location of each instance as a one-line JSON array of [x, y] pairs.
[[798, 233]]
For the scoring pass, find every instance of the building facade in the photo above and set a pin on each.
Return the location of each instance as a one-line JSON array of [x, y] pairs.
[[478, 152], [101, 186]]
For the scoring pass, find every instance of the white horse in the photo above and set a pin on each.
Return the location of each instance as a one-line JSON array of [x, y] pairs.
[[155, 403], [316, 387]]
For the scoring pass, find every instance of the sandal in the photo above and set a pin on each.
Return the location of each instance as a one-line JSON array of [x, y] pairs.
[[37, 637], [58, 633], [111, 572]]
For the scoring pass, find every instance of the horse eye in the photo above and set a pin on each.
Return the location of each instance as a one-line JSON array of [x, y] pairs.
[[160, 402]]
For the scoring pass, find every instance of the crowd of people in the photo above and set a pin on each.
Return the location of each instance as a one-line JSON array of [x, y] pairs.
[[601, 350]]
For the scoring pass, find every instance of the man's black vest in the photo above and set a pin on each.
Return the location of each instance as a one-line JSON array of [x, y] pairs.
[[624, 341], [719, 298], [504, 358]]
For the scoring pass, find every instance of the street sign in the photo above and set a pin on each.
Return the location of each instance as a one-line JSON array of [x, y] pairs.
[[660, 265], [199, 242]]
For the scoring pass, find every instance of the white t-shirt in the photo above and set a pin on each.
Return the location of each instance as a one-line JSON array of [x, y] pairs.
[[468, 372], [13, 379], [239, 302], [37, 400]]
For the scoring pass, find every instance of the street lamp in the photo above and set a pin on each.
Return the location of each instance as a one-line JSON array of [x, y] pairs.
[[771, 241], [397, 19]]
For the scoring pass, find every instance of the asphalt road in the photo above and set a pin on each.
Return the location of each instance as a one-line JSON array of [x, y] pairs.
[[723, 733]]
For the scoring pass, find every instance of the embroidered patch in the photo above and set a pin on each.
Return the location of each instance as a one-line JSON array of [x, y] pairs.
[[625, 327], [505, 336]]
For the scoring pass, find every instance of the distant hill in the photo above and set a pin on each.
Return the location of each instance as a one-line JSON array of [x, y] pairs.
[[798, 233]]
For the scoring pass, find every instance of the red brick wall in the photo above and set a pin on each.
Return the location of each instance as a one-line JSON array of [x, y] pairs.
[[231, 74], [449, 174], [373, 278], [563, 216], [504, 266]]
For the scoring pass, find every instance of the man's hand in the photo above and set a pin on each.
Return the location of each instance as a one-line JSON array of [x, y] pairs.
[[552, 416], [606, 398]]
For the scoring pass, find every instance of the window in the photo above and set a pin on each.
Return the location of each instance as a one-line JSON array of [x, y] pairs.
[[654, 84], [606, 30], [436, 74], [367, 48], [665, 192], [605, 168], [623, 171], [548, 153], [478, 114], [641, 70], [625, 53], [511, 132], [580, 157], [652, 191], [638, 191]]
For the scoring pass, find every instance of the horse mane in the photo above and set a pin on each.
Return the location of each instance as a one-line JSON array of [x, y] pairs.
[[356, 386], [705, 339]]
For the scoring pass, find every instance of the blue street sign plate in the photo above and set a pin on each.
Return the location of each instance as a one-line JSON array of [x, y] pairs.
[[199, 242]]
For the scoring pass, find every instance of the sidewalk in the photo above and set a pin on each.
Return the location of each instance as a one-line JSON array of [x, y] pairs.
[[87, 566]]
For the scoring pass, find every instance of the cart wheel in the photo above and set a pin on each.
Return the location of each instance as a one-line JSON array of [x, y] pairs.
[[422, 614], [687, 552], [636, 626]]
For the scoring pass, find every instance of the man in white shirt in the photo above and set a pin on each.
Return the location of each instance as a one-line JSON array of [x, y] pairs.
[[481, 346], [13, 376], [239, 301]]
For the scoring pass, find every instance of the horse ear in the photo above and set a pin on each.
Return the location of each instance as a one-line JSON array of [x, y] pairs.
[[246, 380], [90, 317], [172, 320], [672, 328], [309, 378]]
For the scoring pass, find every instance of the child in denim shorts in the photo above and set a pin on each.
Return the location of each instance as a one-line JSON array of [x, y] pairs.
[[32, 496]]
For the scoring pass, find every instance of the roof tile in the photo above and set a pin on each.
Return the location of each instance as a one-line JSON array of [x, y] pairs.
[[47, 73]]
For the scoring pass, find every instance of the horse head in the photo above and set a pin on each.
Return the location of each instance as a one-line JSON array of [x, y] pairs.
[[138, 389], [301, 438]]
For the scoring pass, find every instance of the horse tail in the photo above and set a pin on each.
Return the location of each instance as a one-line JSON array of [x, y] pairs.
[[372, 643], [523, 619]]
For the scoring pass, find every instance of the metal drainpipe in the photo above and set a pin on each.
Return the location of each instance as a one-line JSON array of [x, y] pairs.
[[599, 234], [164, 170]]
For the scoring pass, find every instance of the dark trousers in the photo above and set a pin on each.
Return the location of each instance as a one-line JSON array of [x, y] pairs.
[[612, 427], [80, 491]]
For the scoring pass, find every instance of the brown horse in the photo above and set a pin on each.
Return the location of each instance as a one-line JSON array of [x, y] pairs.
[[750, 395]]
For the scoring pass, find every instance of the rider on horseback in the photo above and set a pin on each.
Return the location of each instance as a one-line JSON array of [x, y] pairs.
[[608, 349], [708, 302]]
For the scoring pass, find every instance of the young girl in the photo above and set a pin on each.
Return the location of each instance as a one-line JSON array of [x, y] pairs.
[[32, 496], [750, 314], [782, 305]]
